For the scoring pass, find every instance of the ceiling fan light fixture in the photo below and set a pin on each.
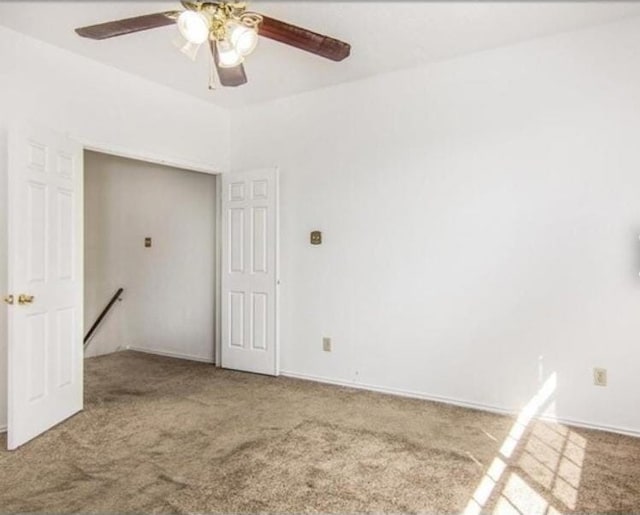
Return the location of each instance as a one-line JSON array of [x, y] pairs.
[[228, 29], [228, 57], [194, 26], [244, 39]]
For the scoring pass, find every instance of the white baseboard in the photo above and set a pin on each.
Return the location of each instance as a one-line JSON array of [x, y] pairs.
[[3, 429], [171, 354], [590, 425], [458, 402]]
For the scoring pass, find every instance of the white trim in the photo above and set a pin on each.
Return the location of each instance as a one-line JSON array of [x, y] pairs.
[[217, 344], [401, 393], [149, 158], [4, 262], [459, 402], [171, 354], [590, 425], [277, 265]]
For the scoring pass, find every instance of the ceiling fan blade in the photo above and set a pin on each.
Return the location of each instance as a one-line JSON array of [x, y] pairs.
[[228, 76], [232, 76], [304, 39], [128, 25]]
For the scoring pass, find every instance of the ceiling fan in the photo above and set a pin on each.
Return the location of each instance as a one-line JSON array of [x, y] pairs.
[[230, 30]]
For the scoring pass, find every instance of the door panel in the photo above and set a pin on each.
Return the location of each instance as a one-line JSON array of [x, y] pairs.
[[259, 322], [45, 261], [259, 240], [249, 271], [236, 319]]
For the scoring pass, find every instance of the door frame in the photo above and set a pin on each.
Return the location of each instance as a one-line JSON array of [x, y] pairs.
[[184, 164], [4, 271]]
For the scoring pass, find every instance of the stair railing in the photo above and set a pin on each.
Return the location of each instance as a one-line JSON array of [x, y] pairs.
[[116, 296]]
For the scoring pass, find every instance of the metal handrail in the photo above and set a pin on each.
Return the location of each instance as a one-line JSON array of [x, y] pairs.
[[102, 315]]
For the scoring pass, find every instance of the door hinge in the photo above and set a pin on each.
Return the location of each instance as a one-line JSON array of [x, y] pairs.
[[9, 299]]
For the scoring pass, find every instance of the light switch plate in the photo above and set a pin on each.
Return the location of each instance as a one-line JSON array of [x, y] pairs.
[[316, 238]]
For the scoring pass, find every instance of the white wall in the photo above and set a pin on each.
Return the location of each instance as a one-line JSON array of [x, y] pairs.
[[168, 304], [481, 220], [480, 215], [102, 106]]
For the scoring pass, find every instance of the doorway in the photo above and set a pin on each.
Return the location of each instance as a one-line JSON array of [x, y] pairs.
[[151, 230]]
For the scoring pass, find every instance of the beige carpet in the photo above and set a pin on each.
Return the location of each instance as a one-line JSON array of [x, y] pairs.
[[164, 435]]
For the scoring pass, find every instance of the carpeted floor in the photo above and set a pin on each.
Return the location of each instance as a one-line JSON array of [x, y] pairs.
[[164, 435]]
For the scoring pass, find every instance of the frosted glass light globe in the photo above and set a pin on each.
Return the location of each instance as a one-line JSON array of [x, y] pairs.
[[193, 26], [244, 39], [227, 55]]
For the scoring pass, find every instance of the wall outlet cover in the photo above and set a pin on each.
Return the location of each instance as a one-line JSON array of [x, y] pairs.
[[326, 344], [600, 376]]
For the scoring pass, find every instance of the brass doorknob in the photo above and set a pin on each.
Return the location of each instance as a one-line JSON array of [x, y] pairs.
[[9, 299], [25, 299]]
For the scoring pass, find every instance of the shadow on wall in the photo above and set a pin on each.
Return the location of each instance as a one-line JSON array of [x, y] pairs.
[[538, 467]]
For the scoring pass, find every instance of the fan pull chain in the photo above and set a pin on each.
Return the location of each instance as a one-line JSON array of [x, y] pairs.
[[212, 74]]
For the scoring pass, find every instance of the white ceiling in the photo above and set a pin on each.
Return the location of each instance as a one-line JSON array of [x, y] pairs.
[[384, 36]]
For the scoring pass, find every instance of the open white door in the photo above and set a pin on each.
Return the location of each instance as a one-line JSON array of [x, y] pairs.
[[249, 271], [45, 354]]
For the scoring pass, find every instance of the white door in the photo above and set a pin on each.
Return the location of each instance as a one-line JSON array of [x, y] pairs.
[[45, 279], [249, 271]]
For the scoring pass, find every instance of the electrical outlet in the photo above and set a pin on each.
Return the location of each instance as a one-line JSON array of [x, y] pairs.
[[326, 344], [600, 376]]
